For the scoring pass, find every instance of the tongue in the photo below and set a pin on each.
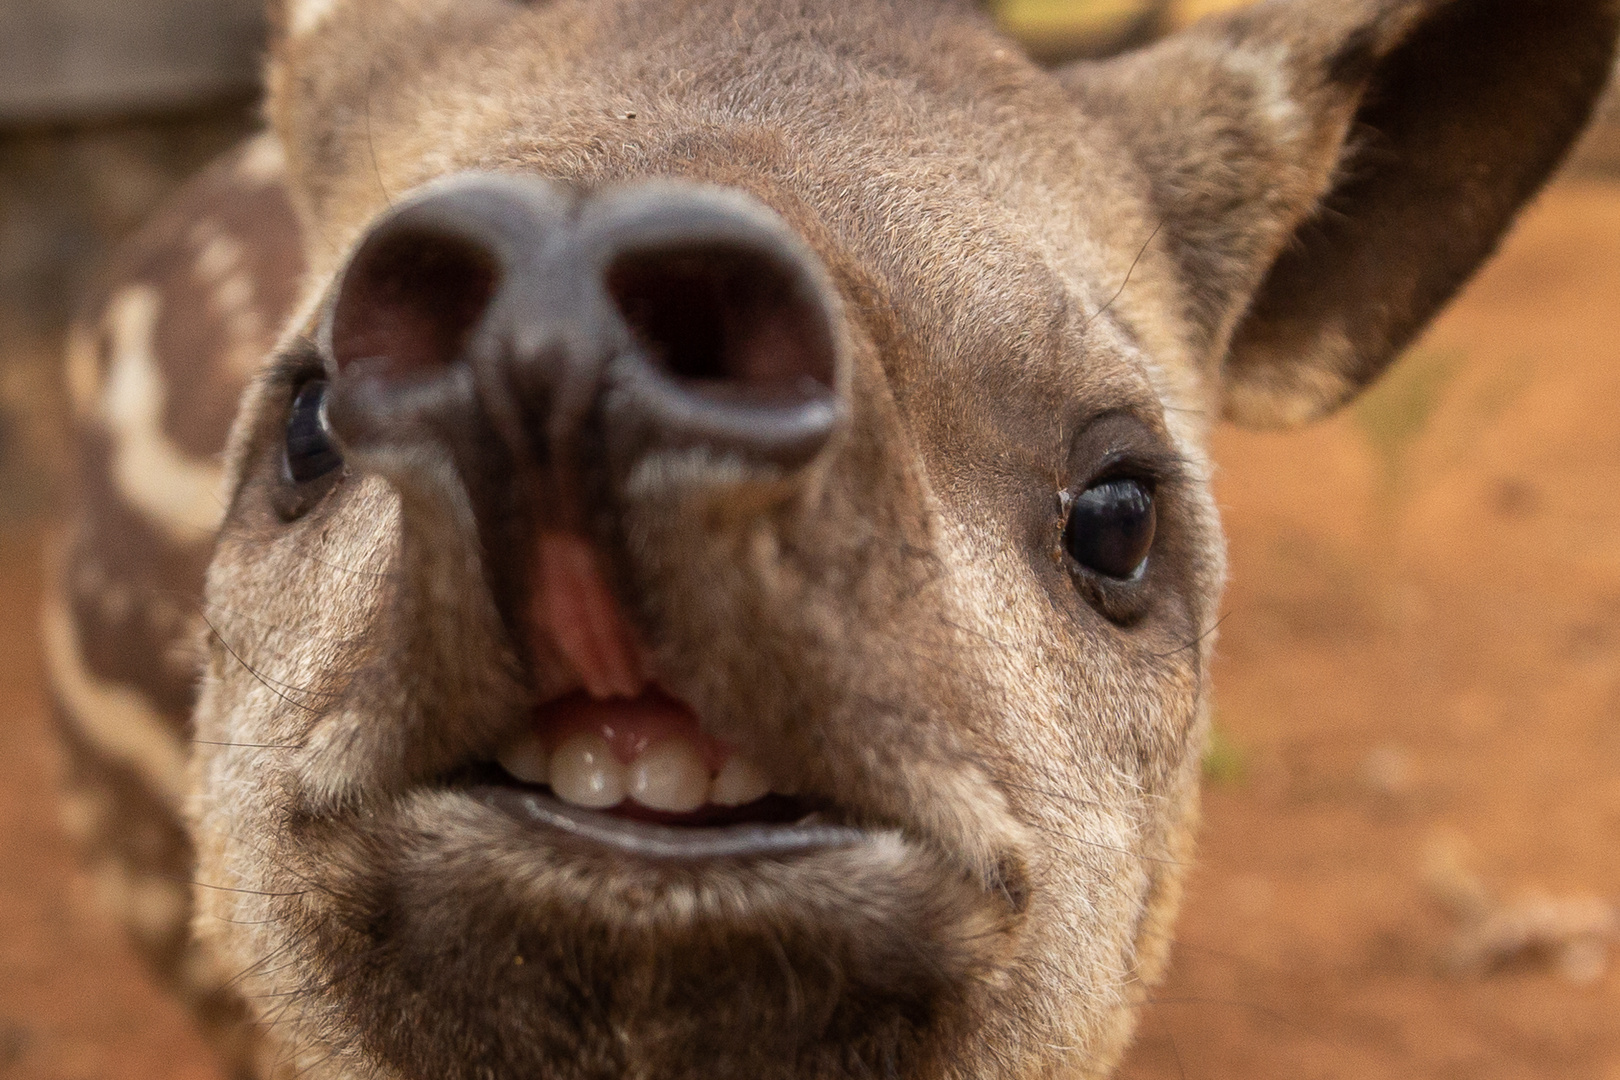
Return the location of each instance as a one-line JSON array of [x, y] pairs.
[[577, 612]]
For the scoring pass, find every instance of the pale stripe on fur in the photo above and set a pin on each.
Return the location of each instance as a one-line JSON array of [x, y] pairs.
[[178, 493], [117, 719]]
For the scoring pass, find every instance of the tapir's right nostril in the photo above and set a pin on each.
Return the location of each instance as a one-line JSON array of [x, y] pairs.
[[409, 300]]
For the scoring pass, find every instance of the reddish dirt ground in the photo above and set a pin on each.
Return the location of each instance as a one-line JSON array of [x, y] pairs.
[[1421, 654]]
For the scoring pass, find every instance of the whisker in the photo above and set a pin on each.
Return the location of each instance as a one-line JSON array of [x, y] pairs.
[[1195, 642], [371, 144], [251, 670], [246, 745], [236, 889], [1250, 1006], [1099, 845], [1121, 291]]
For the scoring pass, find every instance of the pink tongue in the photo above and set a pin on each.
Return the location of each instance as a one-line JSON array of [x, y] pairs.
[[630, 725]]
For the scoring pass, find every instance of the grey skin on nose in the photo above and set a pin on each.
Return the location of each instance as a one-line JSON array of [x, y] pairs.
[[524, 327]]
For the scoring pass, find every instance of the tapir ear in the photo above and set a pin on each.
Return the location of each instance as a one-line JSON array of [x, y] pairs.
[[1331, 171]]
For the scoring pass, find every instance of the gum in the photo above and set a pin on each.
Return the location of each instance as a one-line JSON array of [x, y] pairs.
[[630, 725]]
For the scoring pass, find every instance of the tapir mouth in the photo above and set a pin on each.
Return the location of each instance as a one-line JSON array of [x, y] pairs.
[[640, 776], [582, 761], [616, 757]]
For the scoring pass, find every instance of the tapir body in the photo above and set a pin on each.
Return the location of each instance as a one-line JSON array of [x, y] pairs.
[[714, 572]]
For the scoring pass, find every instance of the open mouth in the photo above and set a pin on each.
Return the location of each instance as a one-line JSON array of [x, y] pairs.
[[620, 760], [639, 759], [639, 775]]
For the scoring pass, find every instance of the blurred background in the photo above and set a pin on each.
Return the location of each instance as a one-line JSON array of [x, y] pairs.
[[1409, 866]]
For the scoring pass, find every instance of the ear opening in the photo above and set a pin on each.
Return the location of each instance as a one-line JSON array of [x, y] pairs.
[[1333, 173]]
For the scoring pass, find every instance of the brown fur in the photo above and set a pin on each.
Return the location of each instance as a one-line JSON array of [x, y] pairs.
[[1033, 271]]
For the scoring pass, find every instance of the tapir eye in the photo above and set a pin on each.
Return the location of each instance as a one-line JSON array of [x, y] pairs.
[[1110, 528], [311, 453]]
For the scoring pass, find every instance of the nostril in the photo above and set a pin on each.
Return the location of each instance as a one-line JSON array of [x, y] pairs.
[[726, 319], [409, 300]]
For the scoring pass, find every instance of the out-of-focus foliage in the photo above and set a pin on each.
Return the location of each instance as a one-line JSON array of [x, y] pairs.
[[1397, 409], [1226, 762], [1081, 27]]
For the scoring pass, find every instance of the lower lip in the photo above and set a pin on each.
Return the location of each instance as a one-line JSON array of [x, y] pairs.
[[650, 840]]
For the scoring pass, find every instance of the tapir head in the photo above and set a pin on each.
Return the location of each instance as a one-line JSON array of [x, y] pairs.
[[732, 524]]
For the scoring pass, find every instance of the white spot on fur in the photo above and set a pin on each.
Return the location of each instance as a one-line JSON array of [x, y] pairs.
[[1266, 68], [235, 293], [83, 812], [152, 909], [263, 162], [234, 297], [245, 331], [220, 254], [182, 657], [305, 15], [177, 492], [119, 721]]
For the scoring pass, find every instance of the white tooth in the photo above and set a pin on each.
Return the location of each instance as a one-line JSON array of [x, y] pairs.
[[671, 777], [740, 782], [527, 760], [585, 772]]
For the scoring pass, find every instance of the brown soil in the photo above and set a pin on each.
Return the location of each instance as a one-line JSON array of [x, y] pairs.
[[1421, 658]]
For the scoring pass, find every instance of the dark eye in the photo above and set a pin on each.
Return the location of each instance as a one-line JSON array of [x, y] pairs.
[[311, 454], [1110, 528]]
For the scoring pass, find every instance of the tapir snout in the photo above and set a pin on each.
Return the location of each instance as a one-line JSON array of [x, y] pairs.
[[662, 317]]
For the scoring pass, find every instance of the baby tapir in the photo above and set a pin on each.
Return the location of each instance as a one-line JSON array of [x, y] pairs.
[[714, 572]]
